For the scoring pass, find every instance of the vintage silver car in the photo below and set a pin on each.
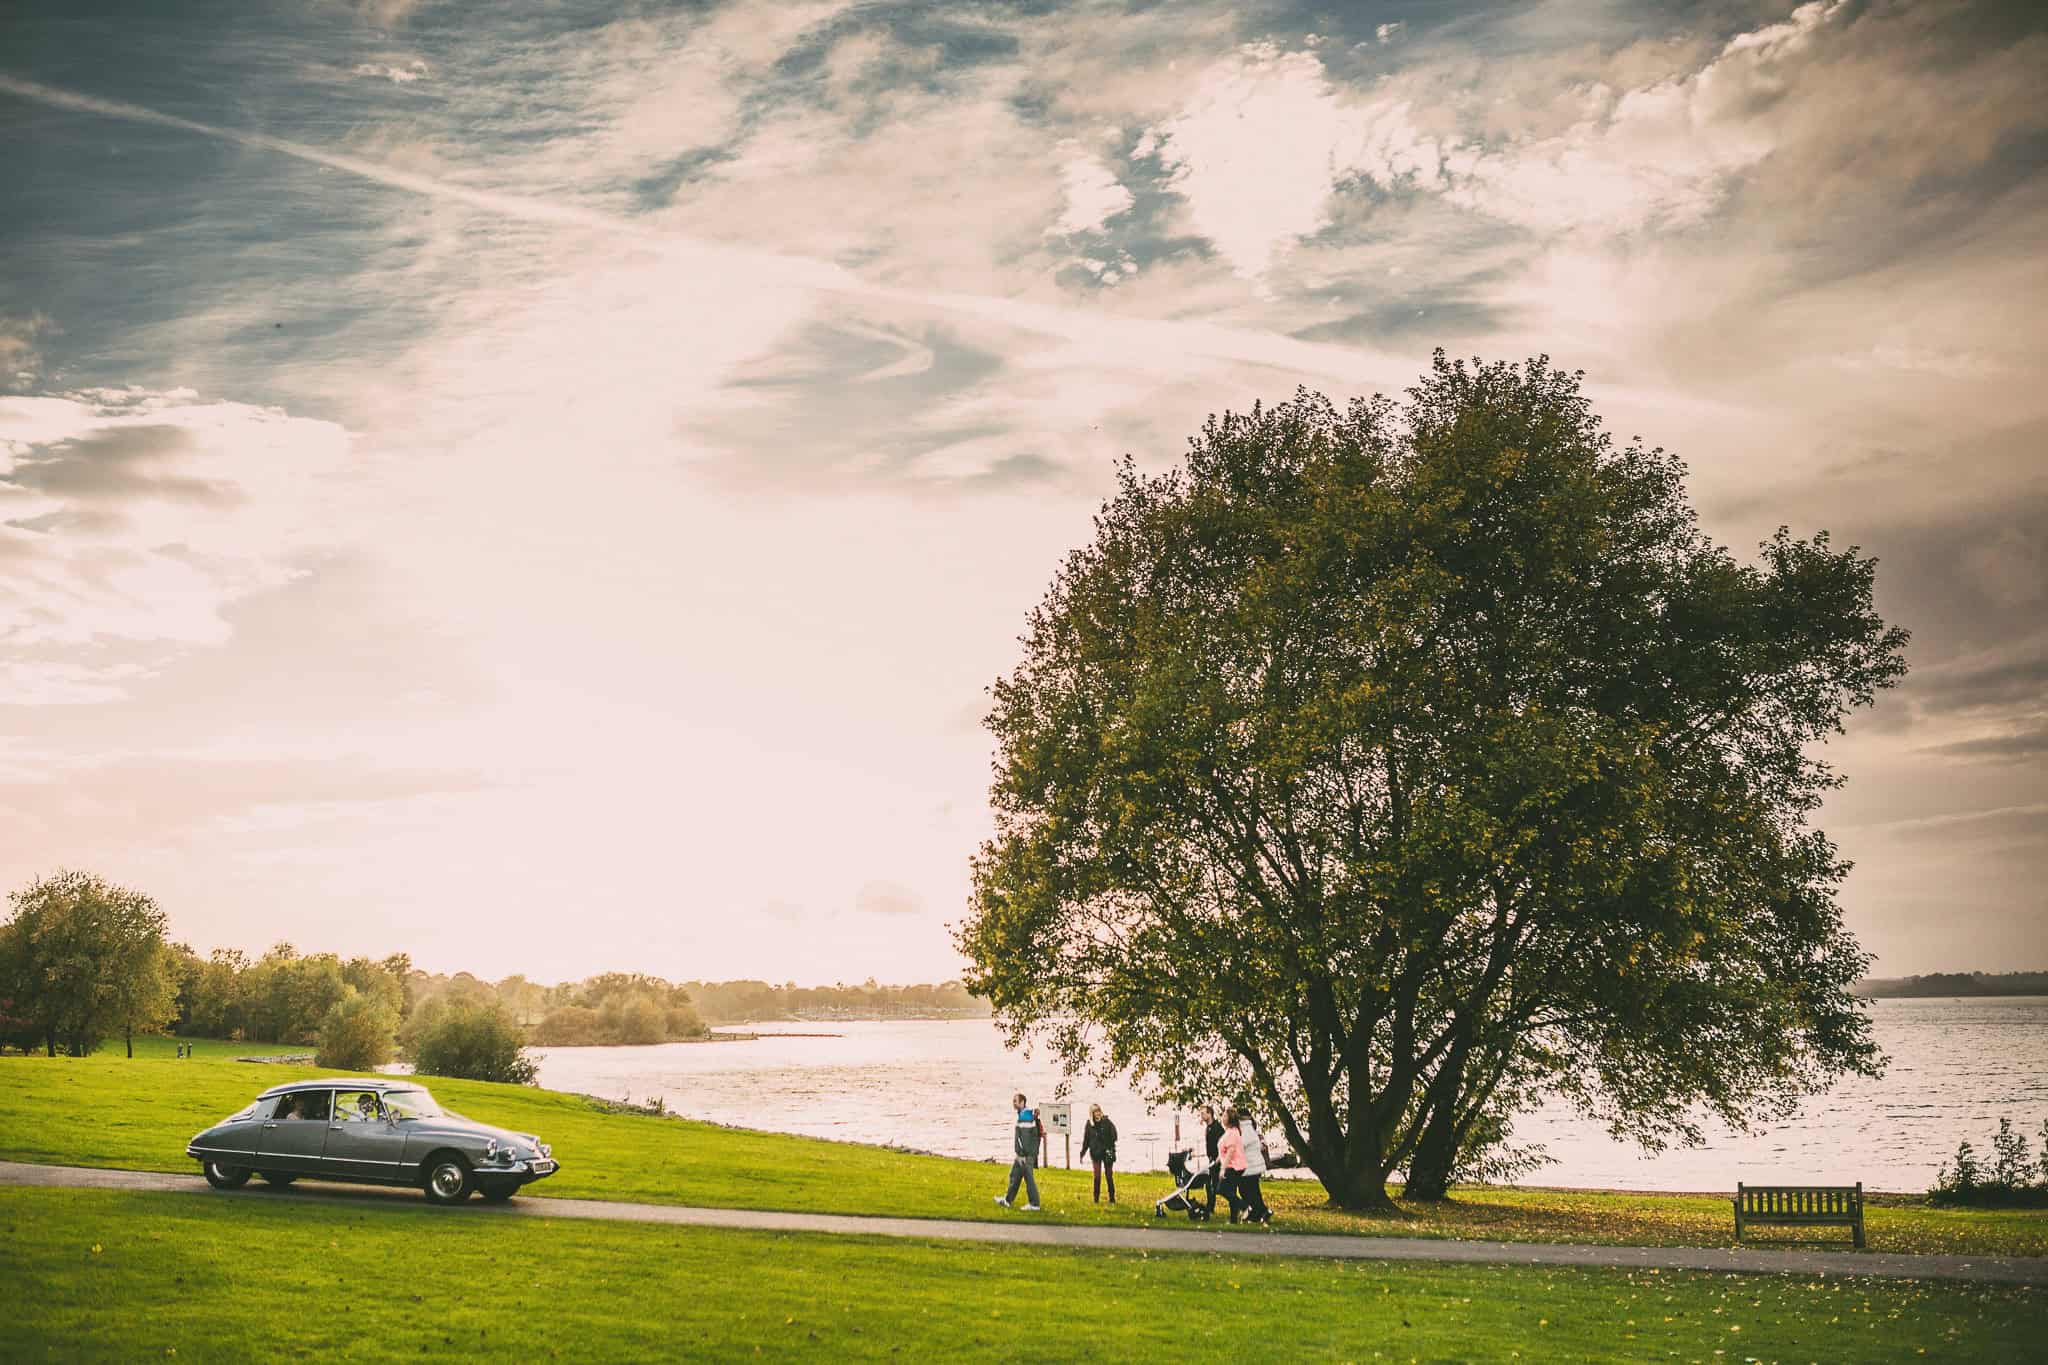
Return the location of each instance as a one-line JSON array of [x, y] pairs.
[[384, 1130]]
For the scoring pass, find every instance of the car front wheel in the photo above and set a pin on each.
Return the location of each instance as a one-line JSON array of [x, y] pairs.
[[448, 1180], [226, 1177]]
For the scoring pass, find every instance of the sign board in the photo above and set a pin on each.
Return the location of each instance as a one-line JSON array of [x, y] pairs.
[[1059, 1118]]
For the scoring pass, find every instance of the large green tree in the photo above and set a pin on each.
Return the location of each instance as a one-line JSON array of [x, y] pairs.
[[1395, 765], [85, 958]]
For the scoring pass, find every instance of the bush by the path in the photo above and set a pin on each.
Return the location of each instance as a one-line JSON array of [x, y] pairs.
[[475, 1040]]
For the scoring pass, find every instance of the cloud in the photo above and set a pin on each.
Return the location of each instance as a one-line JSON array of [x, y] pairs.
[[2012, 746], [2029, 818], [133, 519], [1908, 357], [1259, 145], [1267, 135], [2010, 673], [886, 898], [20, 358], [1093, 193], [397, 73], [381, 13]]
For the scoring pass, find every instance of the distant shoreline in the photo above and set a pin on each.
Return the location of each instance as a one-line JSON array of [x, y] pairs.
[[715, 1036], [1956, 986]]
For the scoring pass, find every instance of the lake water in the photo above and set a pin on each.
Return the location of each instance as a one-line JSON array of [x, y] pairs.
[[1956, 1067]]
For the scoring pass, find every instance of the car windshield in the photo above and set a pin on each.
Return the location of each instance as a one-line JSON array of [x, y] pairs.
[[410, 1104]]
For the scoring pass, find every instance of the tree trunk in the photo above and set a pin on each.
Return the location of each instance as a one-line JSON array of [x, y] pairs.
[[1435, 1157], [1358, 1191], [50, 1040], [128, 1034], [1429, 1170]]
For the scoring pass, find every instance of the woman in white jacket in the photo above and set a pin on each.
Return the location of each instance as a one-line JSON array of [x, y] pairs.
[[1254, 1167]]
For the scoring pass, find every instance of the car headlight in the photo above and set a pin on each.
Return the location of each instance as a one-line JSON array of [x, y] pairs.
[[546, 1150]]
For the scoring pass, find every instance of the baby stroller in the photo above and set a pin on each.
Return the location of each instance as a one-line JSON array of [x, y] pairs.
[[1187, 1171]]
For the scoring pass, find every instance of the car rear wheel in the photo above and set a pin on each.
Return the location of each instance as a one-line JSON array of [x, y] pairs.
[[277, 1180], [226, 1177], [448, 1179]]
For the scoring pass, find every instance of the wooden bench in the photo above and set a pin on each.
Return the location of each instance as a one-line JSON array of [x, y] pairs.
[[1800, 1206]]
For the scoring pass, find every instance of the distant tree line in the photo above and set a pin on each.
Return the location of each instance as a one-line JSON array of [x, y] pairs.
[[1954, 983], [733, 1002], [82, 960]]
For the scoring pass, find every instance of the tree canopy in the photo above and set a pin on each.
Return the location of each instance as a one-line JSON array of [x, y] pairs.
[[80, 959], [1395, 764]]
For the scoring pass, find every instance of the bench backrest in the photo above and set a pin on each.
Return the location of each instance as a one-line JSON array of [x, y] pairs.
[[1800, 1199]]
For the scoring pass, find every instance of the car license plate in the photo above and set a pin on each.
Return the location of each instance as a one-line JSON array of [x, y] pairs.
[[543, 1168]]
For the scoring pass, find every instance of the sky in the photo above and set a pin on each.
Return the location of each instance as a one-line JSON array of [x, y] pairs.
[[547, 487]]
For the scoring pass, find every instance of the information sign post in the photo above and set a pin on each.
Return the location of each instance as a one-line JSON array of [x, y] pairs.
[[1059, 1118]]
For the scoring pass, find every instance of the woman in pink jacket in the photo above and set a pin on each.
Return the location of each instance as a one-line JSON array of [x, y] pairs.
[[1230, 1154]]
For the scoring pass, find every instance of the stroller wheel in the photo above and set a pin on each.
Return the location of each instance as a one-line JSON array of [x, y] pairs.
[[1158, 1212]]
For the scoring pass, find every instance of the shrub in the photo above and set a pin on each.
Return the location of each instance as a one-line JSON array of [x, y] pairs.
[[475, 1040], [358, 1034], [2011, 1167], [2009, 1180], [569, 1026], [634, 1020], [1961, 1180], [685, 1022]]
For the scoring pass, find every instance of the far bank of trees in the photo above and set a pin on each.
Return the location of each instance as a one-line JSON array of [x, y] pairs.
[[735, 1002], [1954, 984], [83, 960]]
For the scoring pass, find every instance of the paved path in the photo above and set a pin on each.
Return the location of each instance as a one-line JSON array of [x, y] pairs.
[[1024, 1230]]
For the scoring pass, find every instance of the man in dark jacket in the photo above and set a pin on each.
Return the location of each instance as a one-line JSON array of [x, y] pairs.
[[1023, 1156], [1098, 1143], [1213, 1131]]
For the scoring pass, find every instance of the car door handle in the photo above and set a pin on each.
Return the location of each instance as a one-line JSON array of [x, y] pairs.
[[268, 1126], [333, 1127]]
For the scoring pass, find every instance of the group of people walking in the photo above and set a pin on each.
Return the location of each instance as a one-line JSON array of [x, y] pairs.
[[1237, 1163], [1237, 1159]]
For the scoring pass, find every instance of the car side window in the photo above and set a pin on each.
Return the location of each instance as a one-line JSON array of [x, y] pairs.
[[313, 1104], [360, 1106]]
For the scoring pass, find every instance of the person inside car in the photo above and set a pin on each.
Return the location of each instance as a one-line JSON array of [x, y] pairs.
[[366, 1107]]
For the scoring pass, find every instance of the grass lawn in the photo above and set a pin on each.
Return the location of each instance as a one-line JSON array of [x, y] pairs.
[[97, 1274], [160, 1048], [109, 1111]]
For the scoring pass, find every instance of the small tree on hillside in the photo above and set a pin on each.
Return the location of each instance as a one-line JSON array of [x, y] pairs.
[[475, 1039], [144, 995], [359, 1033], [1397, 765], [87, 958]]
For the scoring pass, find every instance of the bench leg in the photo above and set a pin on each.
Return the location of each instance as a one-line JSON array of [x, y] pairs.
[[1859, 1234]]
